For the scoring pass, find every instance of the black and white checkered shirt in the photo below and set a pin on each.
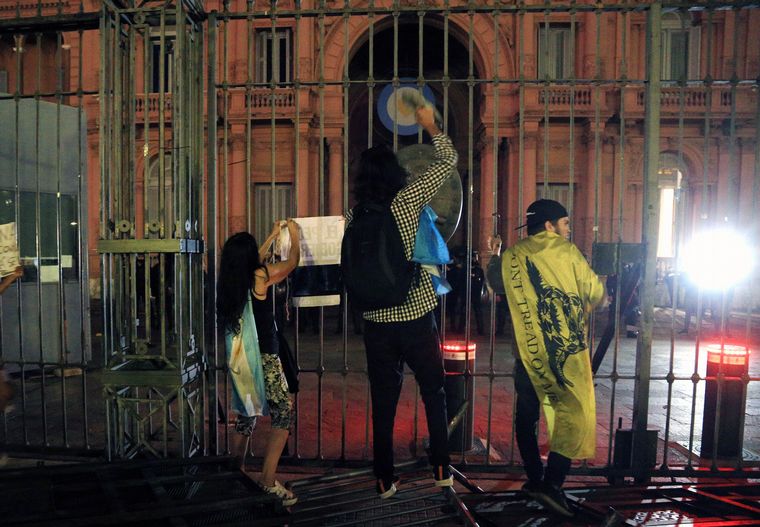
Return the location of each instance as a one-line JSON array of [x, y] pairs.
[[406, 208]]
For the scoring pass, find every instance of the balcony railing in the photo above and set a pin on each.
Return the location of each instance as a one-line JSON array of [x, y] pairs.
[[560, 99], [696, 100], [153, 107], [258, 102], [283, 99], [558, 96]]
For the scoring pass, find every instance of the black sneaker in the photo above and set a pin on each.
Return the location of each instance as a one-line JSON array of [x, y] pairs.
[[386, 487], [531, 488], [554, 499], [442, 476]]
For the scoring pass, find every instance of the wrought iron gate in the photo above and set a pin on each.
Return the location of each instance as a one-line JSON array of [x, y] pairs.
[[628, 111]]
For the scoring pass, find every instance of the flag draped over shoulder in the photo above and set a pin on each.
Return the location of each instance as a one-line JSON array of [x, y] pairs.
[[550, 288], [246, 371]]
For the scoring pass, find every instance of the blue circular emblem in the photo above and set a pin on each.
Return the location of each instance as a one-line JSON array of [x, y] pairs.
[[391, 108]]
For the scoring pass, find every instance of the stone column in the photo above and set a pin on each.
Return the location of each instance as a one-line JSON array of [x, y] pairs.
[[515, 207], [312, 202], [747, 214], [335, 163], [589, 46], [589, 197], [304, 169], [237, 184]]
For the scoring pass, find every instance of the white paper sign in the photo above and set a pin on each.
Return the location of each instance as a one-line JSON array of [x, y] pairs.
[[321, 238], [9, 258]]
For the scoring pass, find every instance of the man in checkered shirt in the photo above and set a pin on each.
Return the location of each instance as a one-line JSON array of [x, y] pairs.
[[407, 332]]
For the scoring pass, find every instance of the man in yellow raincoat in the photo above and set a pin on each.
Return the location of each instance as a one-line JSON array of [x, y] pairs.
[[551, 288]]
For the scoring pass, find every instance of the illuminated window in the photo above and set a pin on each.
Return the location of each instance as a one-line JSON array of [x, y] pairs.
[[670, 184]]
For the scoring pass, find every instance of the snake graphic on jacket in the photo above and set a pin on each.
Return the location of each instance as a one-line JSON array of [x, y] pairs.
[[560, 316]]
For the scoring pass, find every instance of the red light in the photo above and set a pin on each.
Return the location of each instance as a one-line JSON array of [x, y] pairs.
[[458, 346], [458, 350], [731, 354]]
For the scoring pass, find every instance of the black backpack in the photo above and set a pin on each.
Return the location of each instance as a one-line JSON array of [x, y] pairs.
[[373, 262]]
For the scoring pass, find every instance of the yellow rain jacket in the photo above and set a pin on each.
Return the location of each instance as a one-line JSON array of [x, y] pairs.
[[551, 288]]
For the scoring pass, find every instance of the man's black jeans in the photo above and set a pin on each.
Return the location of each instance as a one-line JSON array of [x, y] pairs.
[[389, 345], [526, 423]]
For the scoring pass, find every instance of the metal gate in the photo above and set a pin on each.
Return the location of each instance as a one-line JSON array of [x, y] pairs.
[[642, 117]]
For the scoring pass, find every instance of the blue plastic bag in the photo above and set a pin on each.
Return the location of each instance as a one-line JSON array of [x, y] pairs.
[[429, 246], [430, 250]]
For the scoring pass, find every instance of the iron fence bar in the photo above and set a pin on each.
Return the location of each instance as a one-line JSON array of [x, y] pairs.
[[596, 133], [620, 189], [104, 203], [573, 75], [650, 215], [180, 182], [46, 94], [468, 232], [720, 375], [297, 189], [212, 235], [321, 212], [445, 116], [82, 254], [63, 22], [251, 49], [344, 208], [734, 220], [226, 130], [678, 225], [370, 116], [37, 240], [272, 115], [146, 209], [707, 80], [166, 229], [475, 81], [395, 14], [546, 77], [223, 223], [494, 228], [487, 9], [60, 289], [18, 40], [755, 201], [420, 82], [521, 15]]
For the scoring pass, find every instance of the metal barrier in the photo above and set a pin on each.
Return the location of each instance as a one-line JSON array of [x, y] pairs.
[[628, 113]]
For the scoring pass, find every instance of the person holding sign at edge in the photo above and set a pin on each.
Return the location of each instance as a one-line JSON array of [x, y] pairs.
[[244, 311]]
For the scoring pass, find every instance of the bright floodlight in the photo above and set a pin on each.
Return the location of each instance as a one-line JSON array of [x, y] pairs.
[[718, 259]]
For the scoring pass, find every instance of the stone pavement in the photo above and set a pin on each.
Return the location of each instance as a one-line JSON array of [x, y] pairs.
[[333, 407]]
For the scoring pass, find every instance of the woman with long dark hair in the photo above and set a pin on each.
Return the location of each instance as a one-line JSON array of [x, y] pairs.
[[244, 312]]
